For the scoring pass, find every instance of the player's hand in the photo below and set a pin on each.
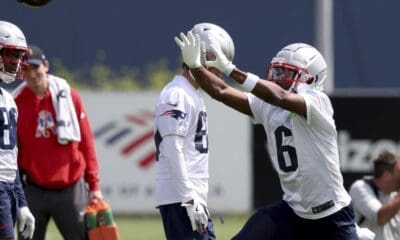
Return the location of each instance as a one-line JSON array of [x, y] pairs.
[[364, 233], [220, 62], [26, 222], [198, 215], [191, 50]]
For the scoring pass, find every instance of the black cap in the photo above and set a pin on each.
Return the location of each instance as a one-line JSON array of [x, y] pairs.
[[36, 55]]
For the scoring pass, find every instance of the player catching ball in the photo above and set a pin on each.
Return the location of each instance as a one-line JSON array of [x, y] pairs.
[[302, 140]]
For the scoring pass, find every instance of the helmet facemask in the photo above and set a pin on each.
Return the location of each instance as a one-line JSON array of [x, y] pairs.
[[298, 67], [288, 76], [12, 62]]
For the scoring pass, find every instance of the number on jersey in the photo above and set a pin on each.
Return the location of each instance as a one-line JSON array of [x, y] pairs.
[[201, 137], [8, 129], [287, 162]]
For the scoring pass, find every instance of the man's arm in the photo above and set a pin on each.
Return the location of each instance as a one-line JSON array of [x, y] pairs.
[[388, 210], [20, 191], [87, 148], [25, 218], [220, 91], [273, 93], [173, 144], [368, 204], [195, 208], [267, 91]]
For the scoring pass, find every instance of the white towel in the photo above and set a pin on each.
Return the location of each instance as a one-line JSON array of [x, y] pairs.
[[66, 118], [67, 122]]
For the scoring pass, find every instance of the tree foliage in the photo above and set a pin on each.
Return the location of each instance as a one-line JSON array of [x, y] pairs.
[[100, 76]]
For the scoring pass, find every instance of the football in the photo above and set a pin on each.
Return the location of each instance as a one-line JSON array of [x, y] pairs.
[[34, 3]]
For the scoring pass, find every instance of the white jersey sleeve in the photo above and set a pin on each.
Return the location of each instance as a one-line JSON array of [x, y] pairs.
[[176, 162], [174, 114], [364, 200], [257, 107], [319, 109]]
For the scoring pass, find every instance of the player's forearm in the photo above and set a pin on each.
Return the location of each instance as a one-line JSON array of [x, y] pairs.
[[20, 192], [87, 148], [388, 211], [265, 90], [92, 166], [272, 93], [209, 82]]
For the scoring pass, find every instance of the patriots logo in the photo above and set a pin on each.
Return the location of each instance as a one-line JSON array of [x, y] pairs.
[[175, 113]]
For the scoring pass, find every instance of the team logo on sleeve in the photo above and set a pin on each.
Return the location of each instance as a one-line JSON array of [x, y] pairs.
[[177, 114]]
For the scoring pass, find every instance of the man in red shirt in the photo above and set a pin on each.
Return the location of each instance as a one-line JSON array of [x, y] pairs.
[[57, 156]]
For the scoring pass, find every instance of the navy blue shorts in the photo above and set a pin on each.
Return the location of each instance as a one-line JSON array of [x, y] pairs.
[[8, 209], [279, 222], [177, 224]]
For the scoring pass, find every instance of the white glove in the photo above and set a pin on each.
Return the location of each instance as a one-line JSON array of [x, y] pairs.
[[364, 233], [220, 62], [26, 222], [191, 50], [198, 215]]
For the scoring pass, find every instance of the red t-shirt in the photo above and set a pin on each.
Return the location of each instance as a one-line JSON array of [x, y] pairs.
[[46, 162]]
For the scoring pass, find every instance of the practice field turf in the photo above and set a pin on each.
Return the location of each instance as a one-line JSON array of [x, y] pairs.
[[150, 227]]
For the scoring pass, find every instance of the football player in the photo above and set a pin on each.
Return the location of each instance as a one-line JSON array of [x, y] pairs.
[[301, 134], [181, 138], [13, 205]]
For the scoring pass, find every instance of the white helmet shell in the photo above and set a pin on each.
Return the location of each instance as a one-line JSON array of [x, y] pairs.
[[204, 30], [306, 57], [11, 38]]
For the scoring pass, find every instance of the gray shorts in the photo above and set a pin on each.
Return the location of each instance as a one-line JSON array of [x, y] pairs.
[[65, 206]]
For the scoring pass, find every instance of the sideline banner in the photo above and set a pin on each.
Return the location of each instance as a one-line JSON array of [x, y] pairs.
[[367, 125], [123, 124]]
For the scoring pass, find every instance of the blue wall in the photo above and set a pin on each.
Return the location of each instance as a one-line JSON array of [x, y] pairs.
[[140, 32]]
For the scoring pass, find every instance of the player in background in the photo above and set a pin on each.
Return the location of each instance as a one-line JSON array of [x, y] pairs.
[[13, 205], [57, 158], [181, 138], [301, 134], [376, 198]]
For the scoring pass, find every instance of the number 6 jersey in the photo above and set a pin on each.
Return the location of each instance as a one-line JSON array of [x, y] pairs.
[[304, 153], [180, 112]]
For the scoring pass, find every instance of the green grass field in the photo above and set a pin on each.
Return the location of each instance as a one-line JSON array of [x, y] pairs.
[[150, 227]]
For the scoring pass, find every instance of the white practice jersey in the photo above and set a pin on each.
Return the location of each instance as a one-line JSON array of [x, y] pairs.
[[366, 206], [180, 110], [305, 155], [8, 137]]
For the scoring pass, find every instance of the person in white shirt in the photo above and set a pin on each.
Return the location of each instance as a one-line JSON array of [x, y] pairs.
[[376, 200], [13, 204], [301, 134], [181, 139]]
